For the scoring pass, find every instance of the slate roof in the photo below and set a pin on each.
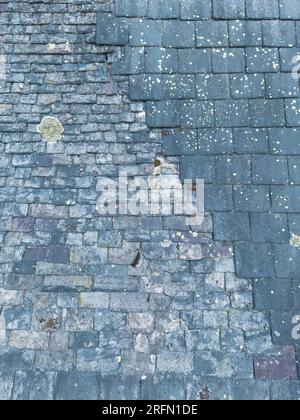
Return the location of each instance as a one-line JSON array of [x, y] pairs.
[[143, 307]]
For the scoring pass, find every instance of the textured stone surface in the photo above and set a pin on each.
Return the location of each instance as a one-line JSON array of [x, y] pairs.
[[130, 307]]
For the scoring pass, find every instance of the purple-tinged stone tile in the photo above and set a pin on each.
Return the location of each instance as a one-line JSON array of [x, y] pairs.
[[44, 160], [58, 254], [283, 367], [217, 250], [46, 225], [110, 88], [23, 224], [36, 253]]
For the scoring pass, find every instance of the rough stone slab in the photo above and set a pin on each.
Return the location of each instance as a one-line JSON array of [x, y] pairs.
[[177, 363], [170, 386], [249, 391], [32, 386], [223, 365], [6, 386], [118, 387], [29, 340], [79, 386], [93, 300]]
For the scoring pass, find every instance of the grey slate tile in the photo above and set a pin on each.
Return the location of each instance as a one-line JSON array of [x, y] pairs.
[[249, 391], [160, 9], [273, 294], [231, 227], [223, 9], [294, 169], [195, 10], [160, 60], [262, 9], [86, 340], [285, 141], [252, 198], [145, 32], [207, 389], [294, 223], [239, 366], [179, 86], [228, 60], [180, 142], [269, 228], [285, 390], [215, 141], [287, 262], [218, 198], [212, 86], [289, 9], [285, 199], [196, 114], [250, 140], [118, 387], [6, 386], [278, 34], [233, 169], [145, 88], [247, 86], [77, 386], [130, 8], [245, 33], [163, 114], [13, 360], [296, 294], [194, 60], [262, 60], [270, 170], [288, 60], [33, 386], [281, 86], [164, 386], [130, 62], [111, 31], [292, 109], [197, 167], [179, 34], [211, 34], [230, 113], [254, 260], [267, 113]]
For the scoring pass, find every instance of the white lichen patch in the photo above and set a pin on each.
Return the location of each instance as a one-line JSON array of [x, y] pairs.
[[59, 48], [2, 328], [295, 241], [164, 167], [51, 129], [163, 174], [166, 244]]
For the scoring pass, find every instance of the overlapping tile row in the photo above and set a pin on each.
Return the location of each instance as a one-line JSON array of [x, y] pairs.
[[140, 306]]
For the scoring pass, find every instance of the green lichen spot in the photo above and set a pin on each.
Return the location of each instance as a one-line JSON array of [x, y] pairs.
[[51, 129]]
